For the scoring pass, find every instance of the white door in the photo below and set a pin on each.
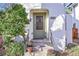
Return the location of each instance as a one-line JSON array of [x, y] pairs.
[[39, 25]]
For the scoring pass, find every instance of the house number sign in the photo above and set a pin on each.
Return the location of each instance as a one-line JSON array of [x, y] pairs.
[[52, 17]]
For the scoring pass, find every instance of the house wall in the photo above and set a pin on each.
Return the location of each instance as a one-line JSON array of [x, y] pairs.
[[28, 7], [69, 23], [55, 10], [70, 20], [77, 16]]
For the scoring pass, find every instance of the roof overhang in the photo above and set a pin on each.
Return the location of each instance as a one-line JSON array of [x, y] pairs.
[[71, 5], [38, 10]]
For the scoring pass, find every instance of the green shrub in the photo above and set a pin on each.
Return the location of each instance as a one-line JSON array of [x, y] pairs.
[[12, 23], [15, 49]]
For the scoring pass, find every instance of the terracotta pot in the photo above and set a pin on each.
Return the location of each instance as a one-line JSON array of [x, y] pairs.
[[30, 49]]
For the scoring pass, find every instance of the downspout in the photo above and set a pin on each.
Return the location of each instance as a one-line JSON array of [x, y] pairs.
[[65, 25], [74, 12]]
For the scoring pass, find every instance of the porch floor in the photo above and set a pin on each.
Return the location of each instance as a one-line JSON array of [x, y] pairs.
[[40, 48]]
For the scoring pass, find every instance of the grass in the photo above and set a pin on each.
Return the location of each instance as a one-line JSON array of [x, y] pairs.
[[73, 51]]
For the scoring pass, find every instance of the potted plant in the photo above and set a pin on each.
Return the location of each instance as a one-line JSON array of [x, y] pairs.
[[29, 47]]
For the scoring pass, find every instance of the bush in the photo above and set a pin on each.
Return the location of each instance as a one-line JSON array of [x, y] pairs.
[[12, 23], [15, 49]]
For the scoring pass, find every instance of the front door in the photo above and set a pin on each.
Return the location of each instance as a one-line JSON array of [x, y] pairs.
[[39, 25]]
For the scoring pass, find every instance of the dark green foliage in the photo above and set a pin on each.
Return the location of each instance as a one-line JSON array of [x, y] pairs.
[[13, 20], [12, 23]]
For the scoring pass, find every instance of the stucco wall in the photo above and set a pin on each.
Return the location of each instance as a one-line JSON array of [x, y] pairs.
[[28, 7], [71, 19], [69, 23], [77, 16], [55, 10]]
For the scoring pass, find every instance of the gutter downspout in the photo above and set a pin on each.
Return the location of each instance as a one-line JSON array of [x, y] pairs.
[[65, 24]]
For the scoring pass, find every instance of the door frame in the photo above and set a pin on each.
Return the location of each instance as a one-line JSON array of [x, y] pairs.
[[40, 31], [32, 11]]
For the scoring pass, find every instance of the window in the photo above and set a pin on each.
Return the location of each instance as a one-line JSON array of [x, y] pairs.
[[39, 22]]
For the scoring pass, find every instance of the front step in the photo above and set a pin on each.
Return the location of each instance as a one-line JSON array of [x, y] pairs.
[[41, 42], [40, 47]]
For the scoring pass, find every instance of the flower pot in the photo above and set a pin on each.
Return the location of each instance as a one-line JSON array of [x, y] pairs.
[[30, 49]]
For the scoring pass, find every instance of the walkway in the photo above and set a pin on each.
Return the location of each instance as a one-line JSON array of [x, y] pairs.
[[40, 48]]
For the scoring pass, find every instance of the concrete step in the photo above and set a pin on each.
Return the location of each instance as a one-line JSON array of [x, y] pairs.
[[41, 40], [40, 47]]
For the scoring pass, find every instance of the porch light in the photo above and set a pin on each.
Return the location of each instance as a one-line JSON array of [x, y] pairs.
[[68, 10], [69, 7]]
